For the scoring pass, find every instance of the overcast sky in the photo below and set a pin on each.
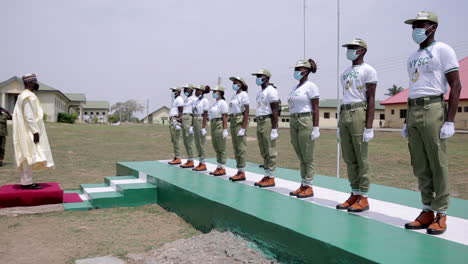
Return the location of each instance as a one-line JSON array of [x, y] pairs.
[[116, 50]]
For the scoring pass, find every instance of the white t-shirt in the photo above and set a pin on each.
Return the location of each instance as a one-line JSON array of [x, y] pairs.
[[427, 69], [299, 97], [354, 80], [188, 104], [238, 102], [178, 102], [264, 98], [200, 106], [219, 108]]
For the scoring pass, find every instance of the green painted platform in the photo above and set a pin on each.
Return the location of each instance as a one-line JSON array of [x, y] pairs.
[[305, 231]]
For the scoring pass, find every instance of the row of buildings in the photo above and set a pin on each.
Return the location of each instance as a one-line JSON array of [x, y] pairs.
[[53, 102], [389, 113]]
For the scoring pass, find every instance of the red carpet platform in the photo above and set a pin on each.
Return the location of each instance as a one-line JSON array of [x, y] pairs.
[[13, 195]]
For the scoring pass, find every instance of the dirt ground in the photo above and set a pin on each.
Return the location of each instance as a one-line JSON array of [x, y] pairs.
[[212, 248]]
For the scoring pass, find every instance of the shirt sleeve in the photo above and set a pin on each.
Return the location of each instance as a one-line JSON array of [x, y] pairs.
[[179, 102], [29, 116], [371, 76], [223, 107], [245, 99], [313, 91], [272, 95], [448, 59]]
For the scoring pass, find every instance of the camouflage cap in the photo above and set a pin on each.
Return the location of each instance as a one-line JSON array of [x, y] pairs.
[[424, 16], [303, 63], [218, 88], [234, 78], [262, 72], [176, 88], [356, 42]]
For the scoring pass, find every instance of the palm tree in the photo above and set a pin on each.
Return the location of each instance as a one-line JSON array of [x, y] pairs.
[[394, 90]]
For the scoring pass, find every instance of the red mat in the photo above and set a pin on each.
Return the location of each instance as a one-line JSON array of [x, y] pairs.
[[71, 198], [13, 195]]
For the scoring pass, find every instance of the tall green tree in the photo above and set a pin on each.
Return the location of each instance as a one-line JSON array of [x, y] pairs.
[[394, 90], [124, 111]]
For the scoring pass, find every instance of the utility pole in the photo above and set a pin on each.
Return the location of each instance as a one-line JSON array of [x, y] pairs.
[[304, 13], [338, 87]]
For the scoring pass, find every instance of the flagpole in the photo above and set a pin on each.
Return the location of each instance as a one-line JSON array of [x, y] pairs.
[[338, 87]]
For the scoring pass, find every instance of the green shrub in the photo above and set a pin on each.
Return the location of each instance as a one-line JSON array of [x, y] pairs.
[[67, 118]]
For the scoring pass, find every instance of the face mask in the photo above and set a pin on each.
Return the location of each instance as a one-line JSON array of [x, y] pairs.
[[235, 87], [298, 75], [259, 81], [187, 94], [351, 54], [215, 95], [419, 35]]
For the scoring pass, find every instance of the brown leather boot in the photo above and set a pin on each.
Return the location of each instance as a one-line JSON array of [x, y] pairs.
[[240, 176], [220, 172], [266, 182], [306, 193], [200, 167], [175, 161], [296, 192], [188, 164], [344, 206], [424, 219], [361, 205], [215, 171], [438, 226]]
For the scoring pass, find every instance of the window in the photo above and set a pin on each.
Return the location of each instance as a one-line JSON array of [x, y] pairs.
[[393, 111], [465, 109], [336, 115], [402, 113], [255, 120], [382, 116], [287, 120], [326, 115], [283, 120], [103, 113], [91, 112], [459, 109]]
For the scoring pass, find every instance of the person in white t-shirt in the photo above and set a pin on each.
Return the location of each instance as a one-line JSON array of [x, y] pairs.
[[429, 120], [218, 122], [187, 125], [267, 125], [359, 83], [303, 101], [239, 118], [175, 127], [200, 117]]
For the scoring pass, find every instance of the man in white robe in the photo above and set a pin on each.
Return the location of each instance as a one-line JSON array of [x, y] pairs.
[[32, 150]]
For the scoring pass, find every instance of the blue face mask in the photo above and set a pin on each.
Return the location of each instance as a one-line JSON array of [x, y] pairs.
[[235, 87], [215, 95], [187, 94], [351, 54], [298, 75], [419, 35], [259, 81]]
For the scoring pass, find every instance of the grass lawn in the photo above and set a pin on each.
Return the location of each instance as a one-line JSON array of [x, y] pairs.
[[88, 153]]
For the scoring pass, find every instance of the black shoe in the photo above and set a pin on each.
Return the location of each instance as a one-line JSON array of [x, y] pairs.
[[261, 166]]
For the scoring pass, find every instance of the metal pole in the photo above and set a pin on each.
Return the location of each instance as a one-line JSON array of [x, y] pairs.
[[304, 13], [338, 87]]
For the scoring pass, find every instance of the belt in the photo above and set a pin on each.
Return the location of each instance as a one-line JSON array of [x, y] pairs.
[[297, 115], [263, 117], [238, 114], [188, 114], [425, 100], [353, 106], [198, 115], [216, 119]]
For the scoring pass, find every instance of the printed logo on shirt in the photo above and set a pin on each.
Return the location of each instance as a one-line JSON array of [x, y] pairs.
[[415, 76], [419, 62], [351, 75]]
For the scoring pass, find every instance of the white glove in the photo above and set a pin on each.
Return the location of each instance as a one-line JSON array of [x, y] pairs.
[[368, 134], [404, 131], [203, 131], [190, 130], [241, 132], [274, 134], [225, 133], [315, 133], [447, 130], [177, 127]]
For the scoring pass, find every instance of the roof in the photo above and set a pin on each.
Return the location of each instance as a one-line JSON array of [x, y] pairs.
[[402, 97], [157, 110], [76, 97], [42, 86], [96, 105]]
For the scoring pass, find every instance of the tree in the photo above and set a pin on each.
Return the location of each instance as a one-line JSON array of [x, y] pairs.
[[124, 111], [394, 90]]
